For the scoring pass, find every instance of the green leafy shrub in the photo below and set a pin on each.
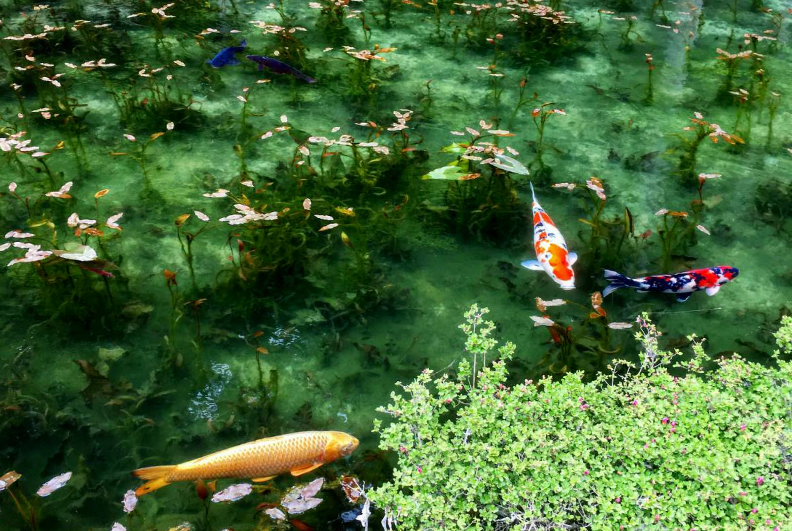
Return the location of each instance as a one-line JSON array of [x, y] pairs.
[[637, 448]]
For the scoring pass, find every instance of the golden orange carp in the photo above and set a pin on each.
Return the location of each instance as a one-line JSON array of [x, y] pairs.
[[261, 460]]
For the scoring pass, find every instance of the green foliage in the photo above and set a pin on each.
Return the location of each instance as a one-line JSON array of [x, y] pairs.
[[638, 448]]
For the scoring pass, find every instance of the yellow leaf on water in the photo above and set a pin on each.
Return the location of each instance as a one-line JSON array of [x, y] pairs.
[[345, 211], [181, 219], [155, 136], [262, 350], [101, 193]]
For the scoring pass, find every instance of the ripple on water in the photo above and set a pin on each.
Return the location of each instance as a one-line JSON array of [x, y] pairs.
[[204, 405]]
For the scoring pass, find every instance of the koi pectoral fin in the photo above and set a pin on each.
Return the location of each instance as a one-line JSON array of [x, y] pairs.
[[305, 469], [262, 480], [532, 264], [572, 258], [713, 290], [682, 297]]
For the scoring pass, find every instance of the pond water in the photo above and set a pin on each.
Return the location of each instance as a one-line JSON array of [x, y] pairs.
[[343, 271]]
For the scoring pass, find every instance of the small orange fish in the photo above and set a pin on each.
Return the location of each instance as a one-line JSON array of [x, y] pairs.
[[261, 460]]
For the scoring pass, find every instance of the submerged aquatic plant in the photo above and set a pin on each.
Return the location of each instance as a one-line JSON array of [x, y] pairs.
[[609, 242], [690, 144], [186, 239], [481, 198], [540, 116]]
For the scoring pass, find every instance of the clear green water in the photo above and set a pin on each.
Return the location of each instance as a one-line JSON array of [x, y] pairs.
[[343, 324]]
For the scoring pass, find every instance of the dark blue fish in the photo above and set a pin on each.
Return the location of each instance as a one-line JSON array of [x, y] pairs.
[[279, 67], [226, 56]]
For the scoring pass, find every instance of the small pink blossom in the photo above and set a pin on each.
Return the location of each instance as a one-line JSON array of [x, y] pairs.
[[760, 481]]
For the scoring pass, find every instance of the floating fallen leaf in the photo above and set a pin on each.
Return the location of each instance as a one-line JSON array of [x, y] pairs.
[[181, 219], [301, 499], [345, 211], [351, 488], [596, 303], [83, 253], [101, 193], [542, 321], [130, 501], [117, 527], [8, 478], [328, 227], [509, 164], [233, 493], [200, 215], [324, 217], [312, 488], [276, 514], [54, 484], [542, 305], [619, 326], [262, 350]]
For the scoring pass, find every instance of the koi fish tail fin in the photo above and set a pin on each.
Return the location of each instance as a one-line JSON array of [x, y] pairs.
[[156, 476], [617, 280], [307, 79]]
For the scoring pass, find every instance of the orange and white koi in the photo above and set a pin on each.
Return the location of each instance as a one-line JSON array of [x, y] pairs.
[[552, 254], [261, 460]]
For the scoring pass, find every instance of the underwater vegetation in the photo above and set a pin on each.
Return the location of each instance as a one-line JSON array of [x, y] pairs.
[[228, 221]]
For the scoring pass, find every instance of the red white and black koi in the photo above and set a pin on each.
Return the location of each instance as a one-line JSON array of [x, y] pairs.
[[552, 253], [683, 284]]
